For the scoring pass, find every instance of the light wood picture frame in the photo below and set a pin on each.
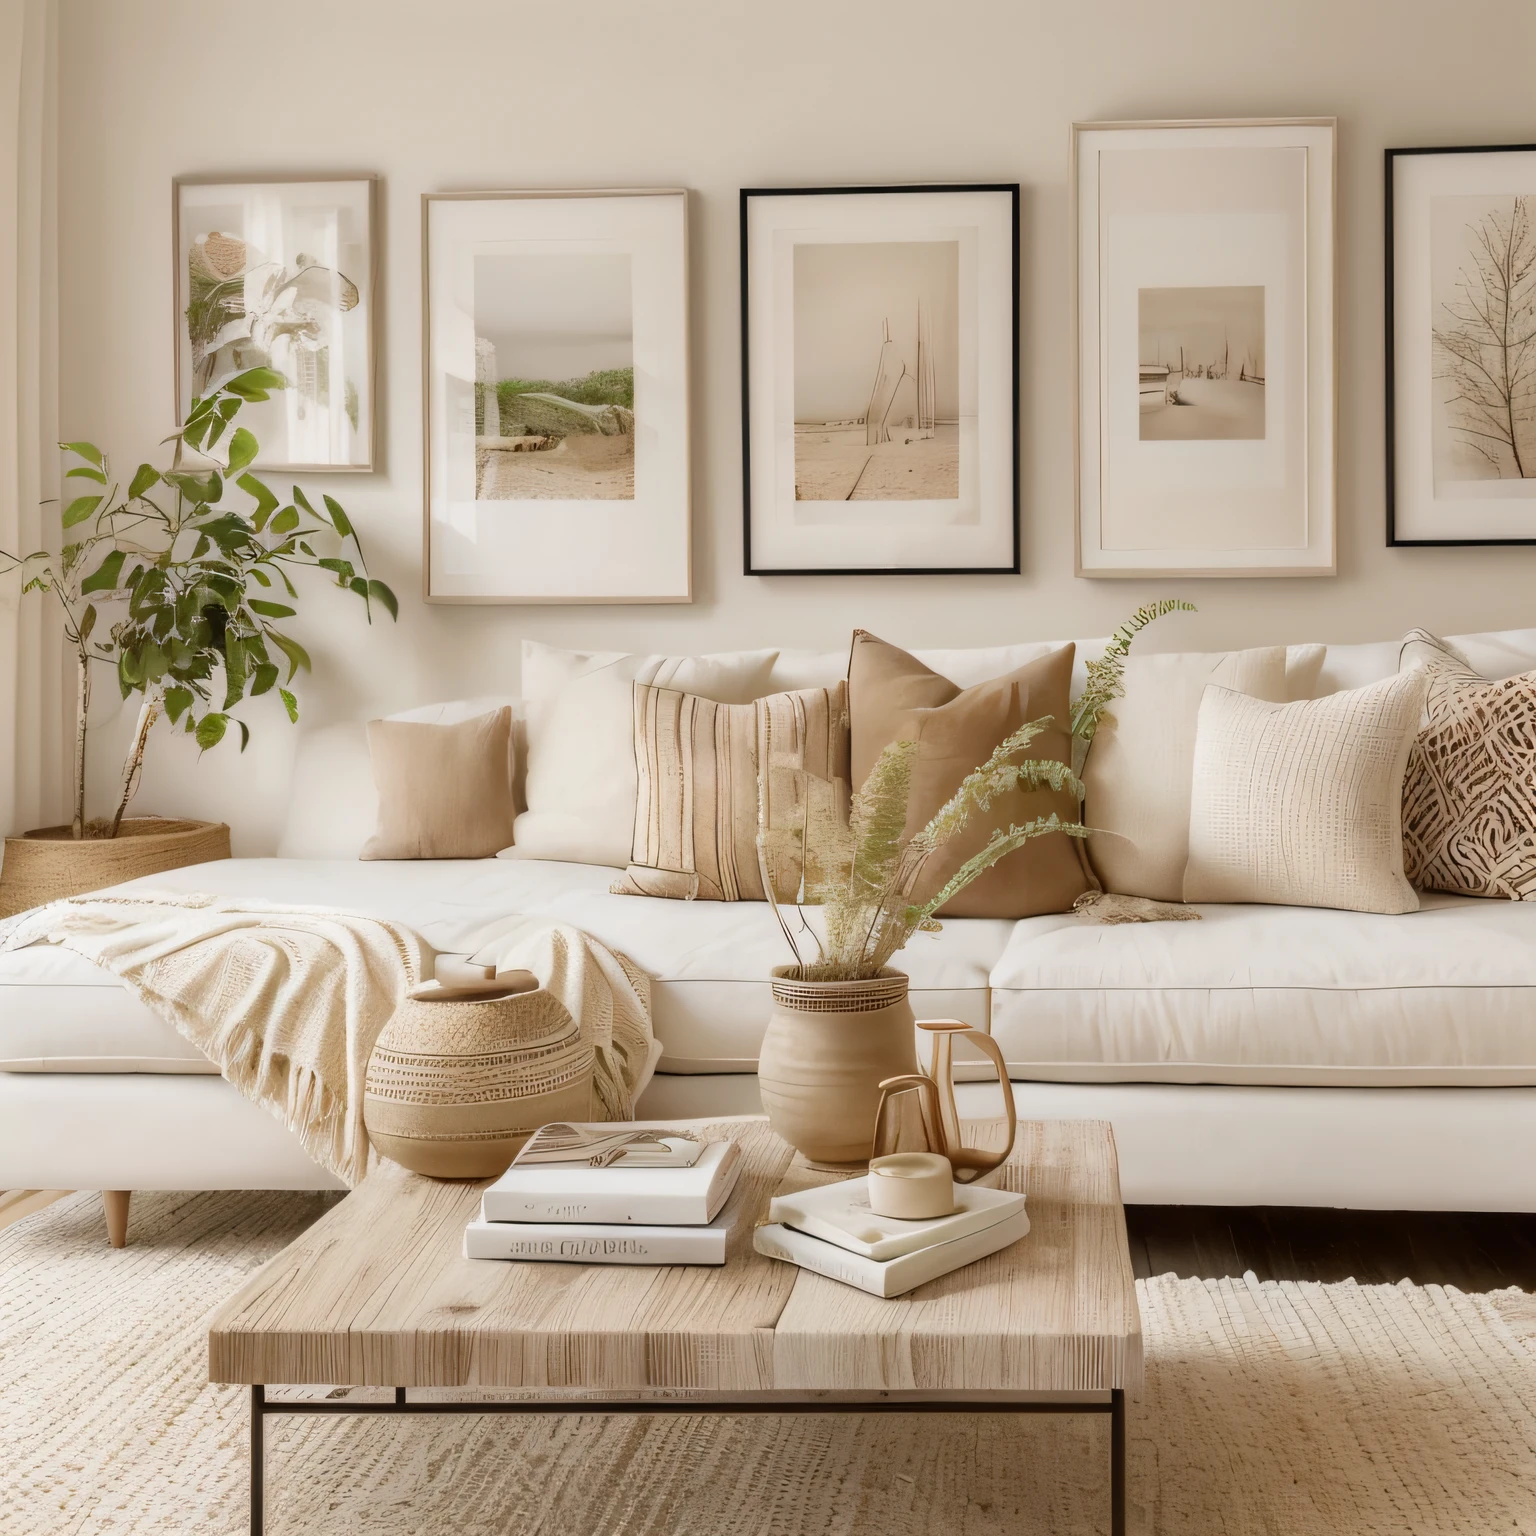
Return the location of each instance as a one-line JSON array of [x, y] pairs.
[[556, 397], [282, 271], [1203, 289]]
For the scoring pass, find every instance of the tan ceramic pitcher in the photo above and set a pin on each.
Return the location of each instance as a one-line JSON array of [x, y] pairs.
[[917, 1110]]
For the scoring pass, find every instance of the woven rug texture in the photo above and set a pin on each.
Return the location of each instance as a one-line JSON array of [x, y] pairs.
[[1281, 1409]]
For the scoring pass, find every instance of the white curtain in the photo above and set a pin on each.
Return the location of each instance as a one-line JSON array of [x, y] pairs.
[[34, 758]]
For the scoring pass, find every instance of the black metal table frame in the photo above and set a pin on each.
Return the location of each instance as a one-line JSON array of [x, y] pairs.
[[263, 1408]]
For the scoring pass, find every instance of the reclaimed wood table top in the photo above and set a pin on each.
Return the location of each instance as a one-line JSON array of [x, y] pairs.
[[377, 1293]]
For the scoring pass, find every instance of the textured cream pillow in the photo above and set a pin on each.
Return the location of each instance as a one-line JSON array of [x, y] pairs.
[[697, 811], [1469, 798], [445, 791], [580, 786], [1136, 778], [1301, 804]]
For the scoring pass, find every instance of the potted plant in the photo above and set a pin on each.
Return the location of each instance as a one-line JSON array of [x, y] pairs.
[[180, 583], [842, 1023]]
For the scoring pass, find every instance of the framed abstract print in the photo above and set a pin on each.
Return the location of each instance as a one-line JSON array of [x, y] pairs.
[[1204, 274], [1461, 345], [556, 395], [281, 272], [880, 362]]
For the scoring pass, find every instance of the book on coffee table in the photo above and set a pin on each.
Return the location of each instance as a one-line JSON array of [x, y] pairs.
[[888, 1277], [619, 1196], [840, 1214], [570, 1242]]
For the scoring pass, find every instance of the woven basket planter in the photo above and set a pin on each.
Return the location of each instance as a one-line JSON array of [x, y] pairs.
[[44, 865], [459, 1081]]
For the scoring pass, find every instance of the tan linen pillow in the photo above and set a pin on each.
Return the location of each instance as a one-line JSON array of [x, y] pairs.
[[697, 808], [1301, 804], [892, 696], [1469, 796], [445, 791], [1137, 774]]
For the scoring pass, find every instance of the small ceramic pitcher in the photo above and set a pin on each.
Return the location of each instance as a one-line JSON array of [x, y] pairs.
[[935, 1127]]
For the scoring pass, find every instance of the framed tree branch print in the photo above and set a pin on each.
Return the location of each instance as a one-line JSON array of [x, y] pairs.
[[1461, 345], [880, 364], [1204, 273]]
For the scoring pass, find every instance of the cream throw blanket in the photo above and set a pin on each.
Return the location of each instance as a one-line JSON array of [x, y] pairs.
[[288, 1002]]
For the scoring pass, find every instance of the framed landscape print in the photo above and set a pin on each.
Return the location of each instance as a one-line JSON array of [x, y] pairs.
[[556, 393], [1204, 270], [1461, 345], [280, 272], [880, 365]]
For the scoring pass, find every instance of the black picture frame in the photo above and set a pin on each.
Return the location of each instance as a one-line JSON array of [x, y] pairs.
[[1390, 159], [1013, 566]]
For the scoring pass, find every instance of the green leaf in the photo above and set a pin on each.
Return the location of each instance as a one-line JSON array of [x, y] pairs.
[[80, 509], [86, 472], [255, 383], [303, 501], [210, 730], [296, 654], [285, 521], [381, 594], [146, 476], [245, 734], [87, 451], [344, 569], [177, 701], [359, 586], [270, 610], [215, 432], [339, 519], [87, 622], [265, 500], [242, 450], [104, 577], [262, 679], [195, 431], [200, 408], [290, 703]]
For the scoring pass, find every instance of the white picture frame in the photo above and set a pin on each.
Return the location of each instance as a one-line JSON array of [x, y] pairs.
[[563, 315], [282, 271], [1210, 244], [899, 303], [1461, 382]]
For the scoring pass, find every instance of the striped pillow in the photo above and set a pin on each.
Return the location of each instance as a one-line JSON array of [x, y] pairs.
[[703, 790]]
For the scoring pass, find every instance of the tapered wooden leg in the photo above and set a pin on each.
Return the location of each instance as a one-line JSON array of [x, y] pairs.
[[115, 1203]]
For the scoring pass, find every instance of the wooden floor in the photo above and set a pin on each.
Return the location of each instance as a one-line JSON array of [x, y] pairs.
[[1474, 1251]]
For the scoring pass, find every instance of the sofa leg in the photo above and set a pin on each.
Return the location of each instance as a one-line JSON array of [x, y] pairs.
[[115, 1203]]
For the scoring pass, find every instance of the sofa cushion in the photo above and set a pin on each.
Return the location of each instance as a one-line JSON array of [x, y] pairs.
[[1282, 995]]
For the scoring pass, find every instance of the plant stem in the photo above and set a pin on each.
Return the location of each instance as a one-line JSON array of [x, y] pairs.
[[134, 766], [82, 713]]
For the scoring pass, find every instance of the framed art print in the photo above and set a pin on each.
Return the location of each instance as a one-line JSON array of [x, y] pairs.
[[1461, 345], [556, 394], [1204, 273], [281, 272], [880, 365]]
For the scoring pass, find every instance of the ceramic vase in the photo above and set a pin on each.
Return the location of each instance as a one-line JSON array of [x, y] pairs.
[[458, 1081], [829, 1046]]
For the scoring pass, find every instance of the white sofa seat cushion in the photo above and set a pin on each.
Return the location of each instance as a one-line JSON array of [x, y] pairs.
[[1276, 995], [710, 961]]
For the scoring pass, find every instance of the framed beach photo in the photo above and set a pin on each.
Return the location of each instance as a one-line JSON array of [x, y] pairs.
[[556, 395], [1461, 345], [281, 272], [880, 367], [1204, 276]]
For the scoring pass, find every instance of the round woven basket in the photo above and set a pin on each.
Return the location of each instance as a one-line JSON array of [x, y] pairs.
[[459, 1081], [44, 865]]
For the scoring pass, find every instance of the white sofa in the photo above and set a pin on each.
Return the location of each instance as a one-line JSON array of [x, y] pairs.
[[1266, 1055]]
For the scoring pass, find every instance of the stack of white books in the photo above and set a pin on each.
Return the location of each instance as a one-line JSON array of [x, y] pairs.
[[833, 1231], [607, 1194]]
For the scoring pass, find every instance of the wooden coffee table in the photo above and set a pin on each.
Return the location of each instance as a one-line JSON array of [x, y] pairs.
[[376, 1294]]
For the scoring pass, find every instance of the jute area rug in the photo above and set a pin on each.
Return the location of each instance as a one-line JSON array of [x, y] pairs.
[[1285, 1409]]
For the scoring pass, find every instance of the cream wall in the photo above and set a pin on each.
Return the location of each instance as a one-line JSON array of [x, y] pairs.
[[714, 95]]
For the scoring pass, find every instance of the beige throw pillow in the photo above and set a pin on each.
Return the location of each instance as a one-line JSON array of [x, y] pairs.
[[1301, 804], [1137, 775], [445, 791], [698, 763], [580, 785], [1469, 798]]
